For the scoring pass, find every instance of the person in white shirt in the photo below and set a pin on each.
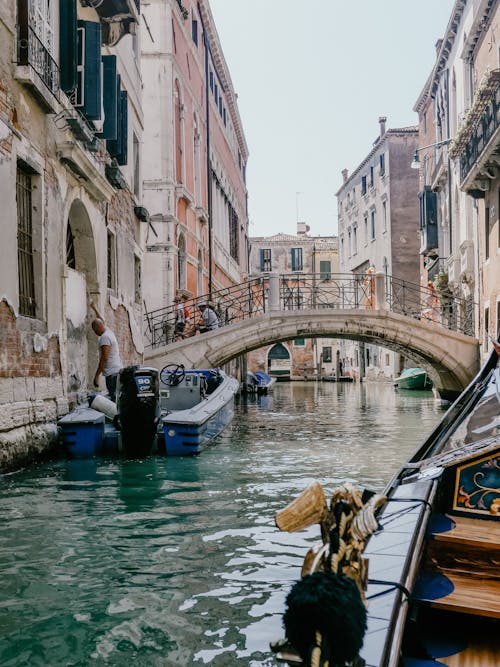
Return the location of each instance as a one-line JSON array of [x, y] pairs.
[[110, 362], [209, 318]]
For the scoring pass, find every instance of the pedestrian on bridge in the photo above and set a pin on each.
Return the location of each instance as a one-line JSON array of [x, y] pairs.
[[209, 320]]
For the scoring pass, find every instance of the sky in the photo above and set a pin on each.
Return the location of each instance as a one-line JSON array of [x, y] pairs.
[[312, 79]]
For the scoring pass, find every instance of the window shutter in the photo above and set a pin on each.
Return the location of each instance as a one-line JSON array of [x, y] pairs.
[[92, 70], [119, 148], [262, 259], [110, 98], [68, 44]]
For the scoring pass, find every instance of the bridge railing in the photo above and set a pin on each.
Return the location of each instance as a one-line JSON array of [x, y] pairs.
[[295, 291], [422, 303], [231, 304]]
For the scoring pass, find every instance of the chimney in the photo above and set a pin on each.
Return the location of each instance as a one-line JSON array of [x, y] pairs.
[[302, 228], [345, 174], [382, 120]]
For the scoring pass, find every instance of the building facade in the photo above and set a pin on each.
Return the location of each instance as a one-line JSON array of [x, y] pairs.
[[459, 176], [70, 134], [294, 256], [378, 230], [195, 157]]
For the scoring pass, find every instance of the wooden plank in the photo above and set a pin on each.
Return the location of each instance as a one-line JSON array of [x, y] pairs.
[[472, 532], [483, 653], [479, 597]]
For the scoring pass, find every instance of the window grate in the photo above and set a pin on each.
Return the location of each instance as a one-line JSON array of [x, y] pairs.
[[27, 302]]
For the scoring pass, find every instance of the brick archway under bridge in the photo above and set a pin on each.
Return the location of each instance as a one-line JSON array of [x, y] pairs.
[[451, 358]]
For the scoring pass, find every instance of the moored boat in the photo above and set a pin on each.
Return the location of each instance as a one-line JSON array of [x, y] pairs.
[[413, 378], [172, 412], [422, 558], [265, 382]]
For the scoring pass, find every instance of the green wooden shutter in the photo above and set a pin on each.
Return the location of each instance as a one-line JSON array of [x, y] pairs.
[[111, 95], [119, 148], [92, 93], [68, 44], [261, 259]]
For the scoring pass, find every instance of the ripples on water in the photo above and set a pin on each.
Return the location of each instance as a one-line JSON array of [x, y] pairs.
[[177, 561]]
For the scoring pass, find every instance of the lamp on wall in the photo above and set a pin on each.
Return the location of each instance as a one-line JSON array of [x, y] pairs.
[[415, 164]]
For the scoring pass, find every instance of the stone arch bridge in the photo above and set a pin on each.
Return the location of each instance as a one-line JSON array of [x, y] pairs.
[[375, 309]]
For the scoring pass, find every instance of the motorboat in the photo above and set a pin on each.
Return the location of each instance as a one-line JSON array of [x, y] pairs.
[[413, 378], [176, 411]]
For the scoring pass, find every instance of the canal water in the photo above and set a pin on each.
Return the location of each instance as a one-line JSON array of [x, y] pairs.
[[167, 562]]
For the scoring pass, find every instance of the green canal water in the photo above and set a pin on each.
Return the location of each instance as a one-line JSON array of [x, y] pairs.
[[177, 561]]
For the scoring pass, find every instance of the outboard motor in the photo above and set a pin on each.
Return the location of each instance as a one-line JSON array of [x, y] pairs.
[[138, 404]]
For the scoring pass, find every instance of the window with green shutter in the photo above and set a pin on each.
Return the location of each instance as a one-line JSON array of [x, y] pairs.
[[90, 81], [265, 259], [296, 259], [110, 96], [325, 270], [118, 148], [68, 45]]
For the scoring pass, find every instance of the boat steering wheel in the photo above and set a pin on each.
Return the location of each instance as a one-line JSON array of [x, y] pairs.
[[172, 374]]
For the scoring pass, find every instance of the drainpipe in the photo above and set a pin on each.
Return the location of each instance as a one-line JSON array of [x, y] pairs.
[[209, 169]]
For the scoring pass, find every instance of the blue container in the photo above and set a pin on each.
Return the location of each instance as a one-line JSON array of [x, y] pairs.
[[82, 432]]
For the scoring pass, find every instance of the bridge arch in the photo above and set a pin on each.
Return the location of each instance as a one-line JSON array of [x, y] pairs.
[[451, 358]]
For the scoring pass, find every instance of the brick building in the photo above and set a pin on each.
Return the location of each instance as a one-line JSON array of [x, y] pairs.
[[195, 157], [378, 229], [70, 186], [293, 256]]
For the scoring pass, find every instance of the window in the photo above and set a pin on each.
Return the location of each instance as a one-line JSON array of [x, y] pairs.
[[363, 185], [349, 243], [365, 221], [372, 177], [70, 248], [181, 262], [387, 360], [111, 261], [234, 241], [487, 232], [326, 355], [136, 156], [296, 259], [265, 259], [35, 40], [384, 215], [26, 268], [299, 342], [325, 270], [118, 148], [194, 30], [137, 279], [486, 327], [382, 164], [372, 226], [212, 81], [88, 93], [355, 239]]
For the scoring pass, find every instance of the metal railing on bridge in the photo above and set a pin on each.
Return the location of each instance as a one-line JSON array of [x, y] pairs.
[[312, 292]]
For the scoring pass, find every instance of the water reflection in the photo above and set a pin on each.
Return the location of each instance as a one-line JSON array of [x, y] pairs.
[[178, 561]]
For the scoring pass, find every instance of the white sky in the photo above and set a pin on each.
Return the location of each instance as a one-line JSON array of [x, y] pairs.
[[312, 79]]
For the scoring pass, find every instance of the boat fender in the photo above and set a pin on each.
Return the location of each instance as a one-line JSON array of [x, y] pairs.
[[104, 405]]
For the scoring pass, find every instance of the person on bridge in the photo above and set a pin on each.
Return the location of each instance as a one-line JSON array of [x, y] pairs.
[[209, 318], [180, 318], [431, 311]]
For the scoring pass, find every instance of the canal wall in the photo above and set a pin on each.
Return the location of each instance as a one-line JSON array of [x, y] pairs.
[[32, 395]]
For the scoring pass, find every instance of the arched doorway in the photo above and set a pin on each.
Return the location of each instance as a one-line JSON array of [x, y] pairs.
[[279, 363], [80, 288]]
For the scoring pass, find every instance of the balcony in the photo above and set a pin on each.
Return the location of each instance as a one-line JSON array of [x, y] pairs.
[[36, 68], [118, 18], [478, 139]]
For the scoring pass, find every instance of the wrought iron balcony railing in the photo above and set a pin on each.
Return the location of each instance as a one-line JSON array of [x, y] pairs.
[[32, 52]]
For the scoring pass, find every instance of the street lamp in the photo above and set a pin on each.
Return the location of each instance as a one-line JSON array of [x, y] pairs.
[[415, 164]]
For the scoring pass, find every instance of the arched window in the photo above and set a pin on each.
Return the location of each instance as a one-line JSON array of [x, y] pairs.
[[179, 134], [181, 263], [200, 272], [197, 161], [70, 248]]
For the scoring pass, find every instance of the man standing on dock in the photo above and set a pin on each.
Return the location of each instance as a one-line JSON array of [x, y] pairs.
[[110, 362]]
